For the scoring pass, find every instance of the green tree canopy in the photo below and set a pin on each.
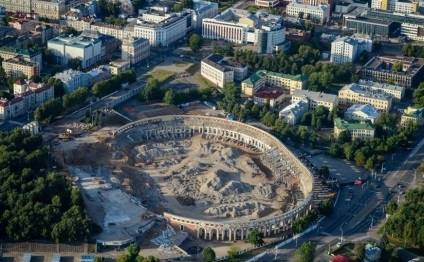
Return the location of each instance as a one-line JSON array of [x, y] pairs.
[[233, 252], [255, 238], [195, 42], [231, 92], [306, 252], [75, 64], [208, 254]]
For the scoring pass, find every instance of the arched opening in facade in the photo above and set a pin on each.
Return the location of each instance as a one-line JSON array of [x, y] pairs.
[[238, 234], [201, 233], [226, 234], [213, 234]]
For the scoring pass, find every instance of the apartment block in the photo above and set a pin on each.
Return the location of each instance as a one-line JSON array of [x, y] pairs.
[[218, 74], [357, 129], [273, 98], [119, 66], [293, 113], [202, 10], [379, 69], [319, 13], [72, 79], [415, 115], [360, 94], [18, 66], [135, 50], [261, 78], [32, 93], [315, 99], [347, 49]]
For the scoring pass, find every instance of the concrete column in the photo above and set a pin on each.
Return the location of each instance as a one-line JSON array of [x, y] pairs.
[[229, 235]]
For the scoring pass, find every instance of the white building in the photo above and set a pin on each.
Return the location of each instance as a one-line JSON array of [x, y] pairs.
[[361, 112], [263, 30], [202, 10], [218, 74], [65, 48], [72, 79], [162, 29], [32, 93], [319, 13], [395, 5], [293, 113], [267, 3], [315, 99], [135, 50], [347, 49]]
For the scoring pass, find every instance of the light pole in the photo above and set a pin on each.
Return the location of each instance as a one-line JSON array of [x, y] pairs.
[[382, 168], [341, 236], [393, 155]]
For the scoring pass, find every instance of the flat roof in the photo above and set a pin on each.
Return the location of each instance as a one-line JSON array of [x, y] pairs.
[[353, 125], [262, 73]]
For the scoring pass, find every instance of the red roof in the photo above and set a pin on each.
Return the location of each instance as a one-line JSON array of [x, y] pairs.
[[269, 94], [20, 82], [42, 89]]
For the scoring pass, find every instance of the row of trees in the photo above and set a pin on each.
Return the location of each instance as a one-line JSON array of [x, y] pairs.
[[113, 84], [35, 204], [322, 75], [53, 108], [132, 255], [418, 96], [406, 221], [413, 50]]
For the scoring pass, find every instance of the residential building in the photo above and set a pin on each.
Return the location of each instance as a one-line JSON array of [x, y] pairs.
[[31, 54], [23, 6], [135, 50], [357, 129], [202, 10], [359, 94], [112, 30], [395, 5], [32, 93], [361, 112], [79, 23], [344, 7], [50, 9], [396, 92], [298, 35], [18, 66], [44, 33], [315, 99], [11, 108], [65, 48], [267, 3], [98, 74], [415, 115], [23, 26], [406, 7], [293, 113], [119, 66], [162, 29], [379, 69], [331, 3], [348, 48], [319, 13], [218, 74], [261, 78], [72, 79], [273, 98], [263, 30]]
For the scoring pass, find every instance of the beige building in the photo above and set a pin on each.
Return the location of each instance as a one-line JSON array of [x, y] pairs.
[[359, 94], [17, 66], [415, 115], [357, 129], [274, 98], [215, 72], [11, 108], [396, 92], [50, 9], [315, 99], [119, 66], [112, 30], [135, 50], [261, 78]]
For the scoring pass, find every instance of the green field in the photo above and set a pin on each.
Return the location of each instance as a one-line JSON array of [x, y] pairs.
[[181, 64], [162, 76], [193, 69], [203, 81]]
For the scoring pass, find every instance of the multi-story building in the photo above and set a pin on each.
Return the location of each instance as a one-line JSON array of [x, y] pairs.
[[31, 54], [79, 23], [72, 79], [32, 93], [395, 5], [44, 33], [23, 6], [112, 30], [267, 3], [162, 29], [218, 74], [135, 50], [24, 26], [273, 98], [11, 108], [379, 69], [358, 94], [119, 66], [331, 3], [65, 48], [415, 115], [293, 113], [98, 74], [347, 48], [315, 99], [357, 129], [265, 31], [361, 113], [406, 7], [50, 9], [18, 66], [202, 10], [261, 78], [319, 13], [369, 26], [298, 35], [396, 92]]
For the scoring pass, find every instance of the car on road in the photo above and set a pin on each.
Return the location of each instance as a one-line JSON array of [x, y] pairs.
[[339, 244]]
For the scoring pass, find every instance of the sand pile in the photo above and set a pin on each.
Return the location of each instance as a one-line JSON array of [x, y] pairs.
[[238, 210], [264, 191], [220, 183]]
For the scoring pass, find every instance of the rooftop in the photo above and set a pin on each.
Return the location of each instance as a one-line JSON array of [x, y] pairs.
[[366, 91], [213, 60], [269, 94], [19, 60], [416, 113], [76, 41], [385, 63], [295, 108], [353, 125], [368, 110], [376, 85], [317, 96], [255, 77]]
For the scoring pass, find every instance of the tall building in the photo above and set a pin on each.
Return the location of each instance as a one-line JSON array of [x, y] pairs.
[[219, 71], [265, 31], [380, 69], [319, 13], [162, 29], [347, 49], [262, 78], [135, 50], [202, 10], [65, 48], [45, 8], [315, 99], [395, 5]]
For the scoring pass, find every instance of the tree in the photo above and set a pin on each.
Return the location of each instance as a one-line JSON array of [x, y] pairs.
[[397, 66], [69, 31], [359, 251], [75, 64], [363, 57], [301, 15], [74, 225], [255, 238], [300, 225], [233, 252], [133, 251], [138, 4], [391, 207], [36, 78], [306, 252], [326, 207], [231, 92], [151, 92], [208, 254], [390, 81], [170, 97], [345, 137], [195, 42], [384, 241]]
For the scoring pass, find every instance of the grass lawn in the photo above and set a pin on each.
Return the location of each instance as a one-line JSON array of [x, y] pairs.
[[224, 5], [162, 76], [115, 120], [180, 64], [193, 69], [203, 81], [253, 8]]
